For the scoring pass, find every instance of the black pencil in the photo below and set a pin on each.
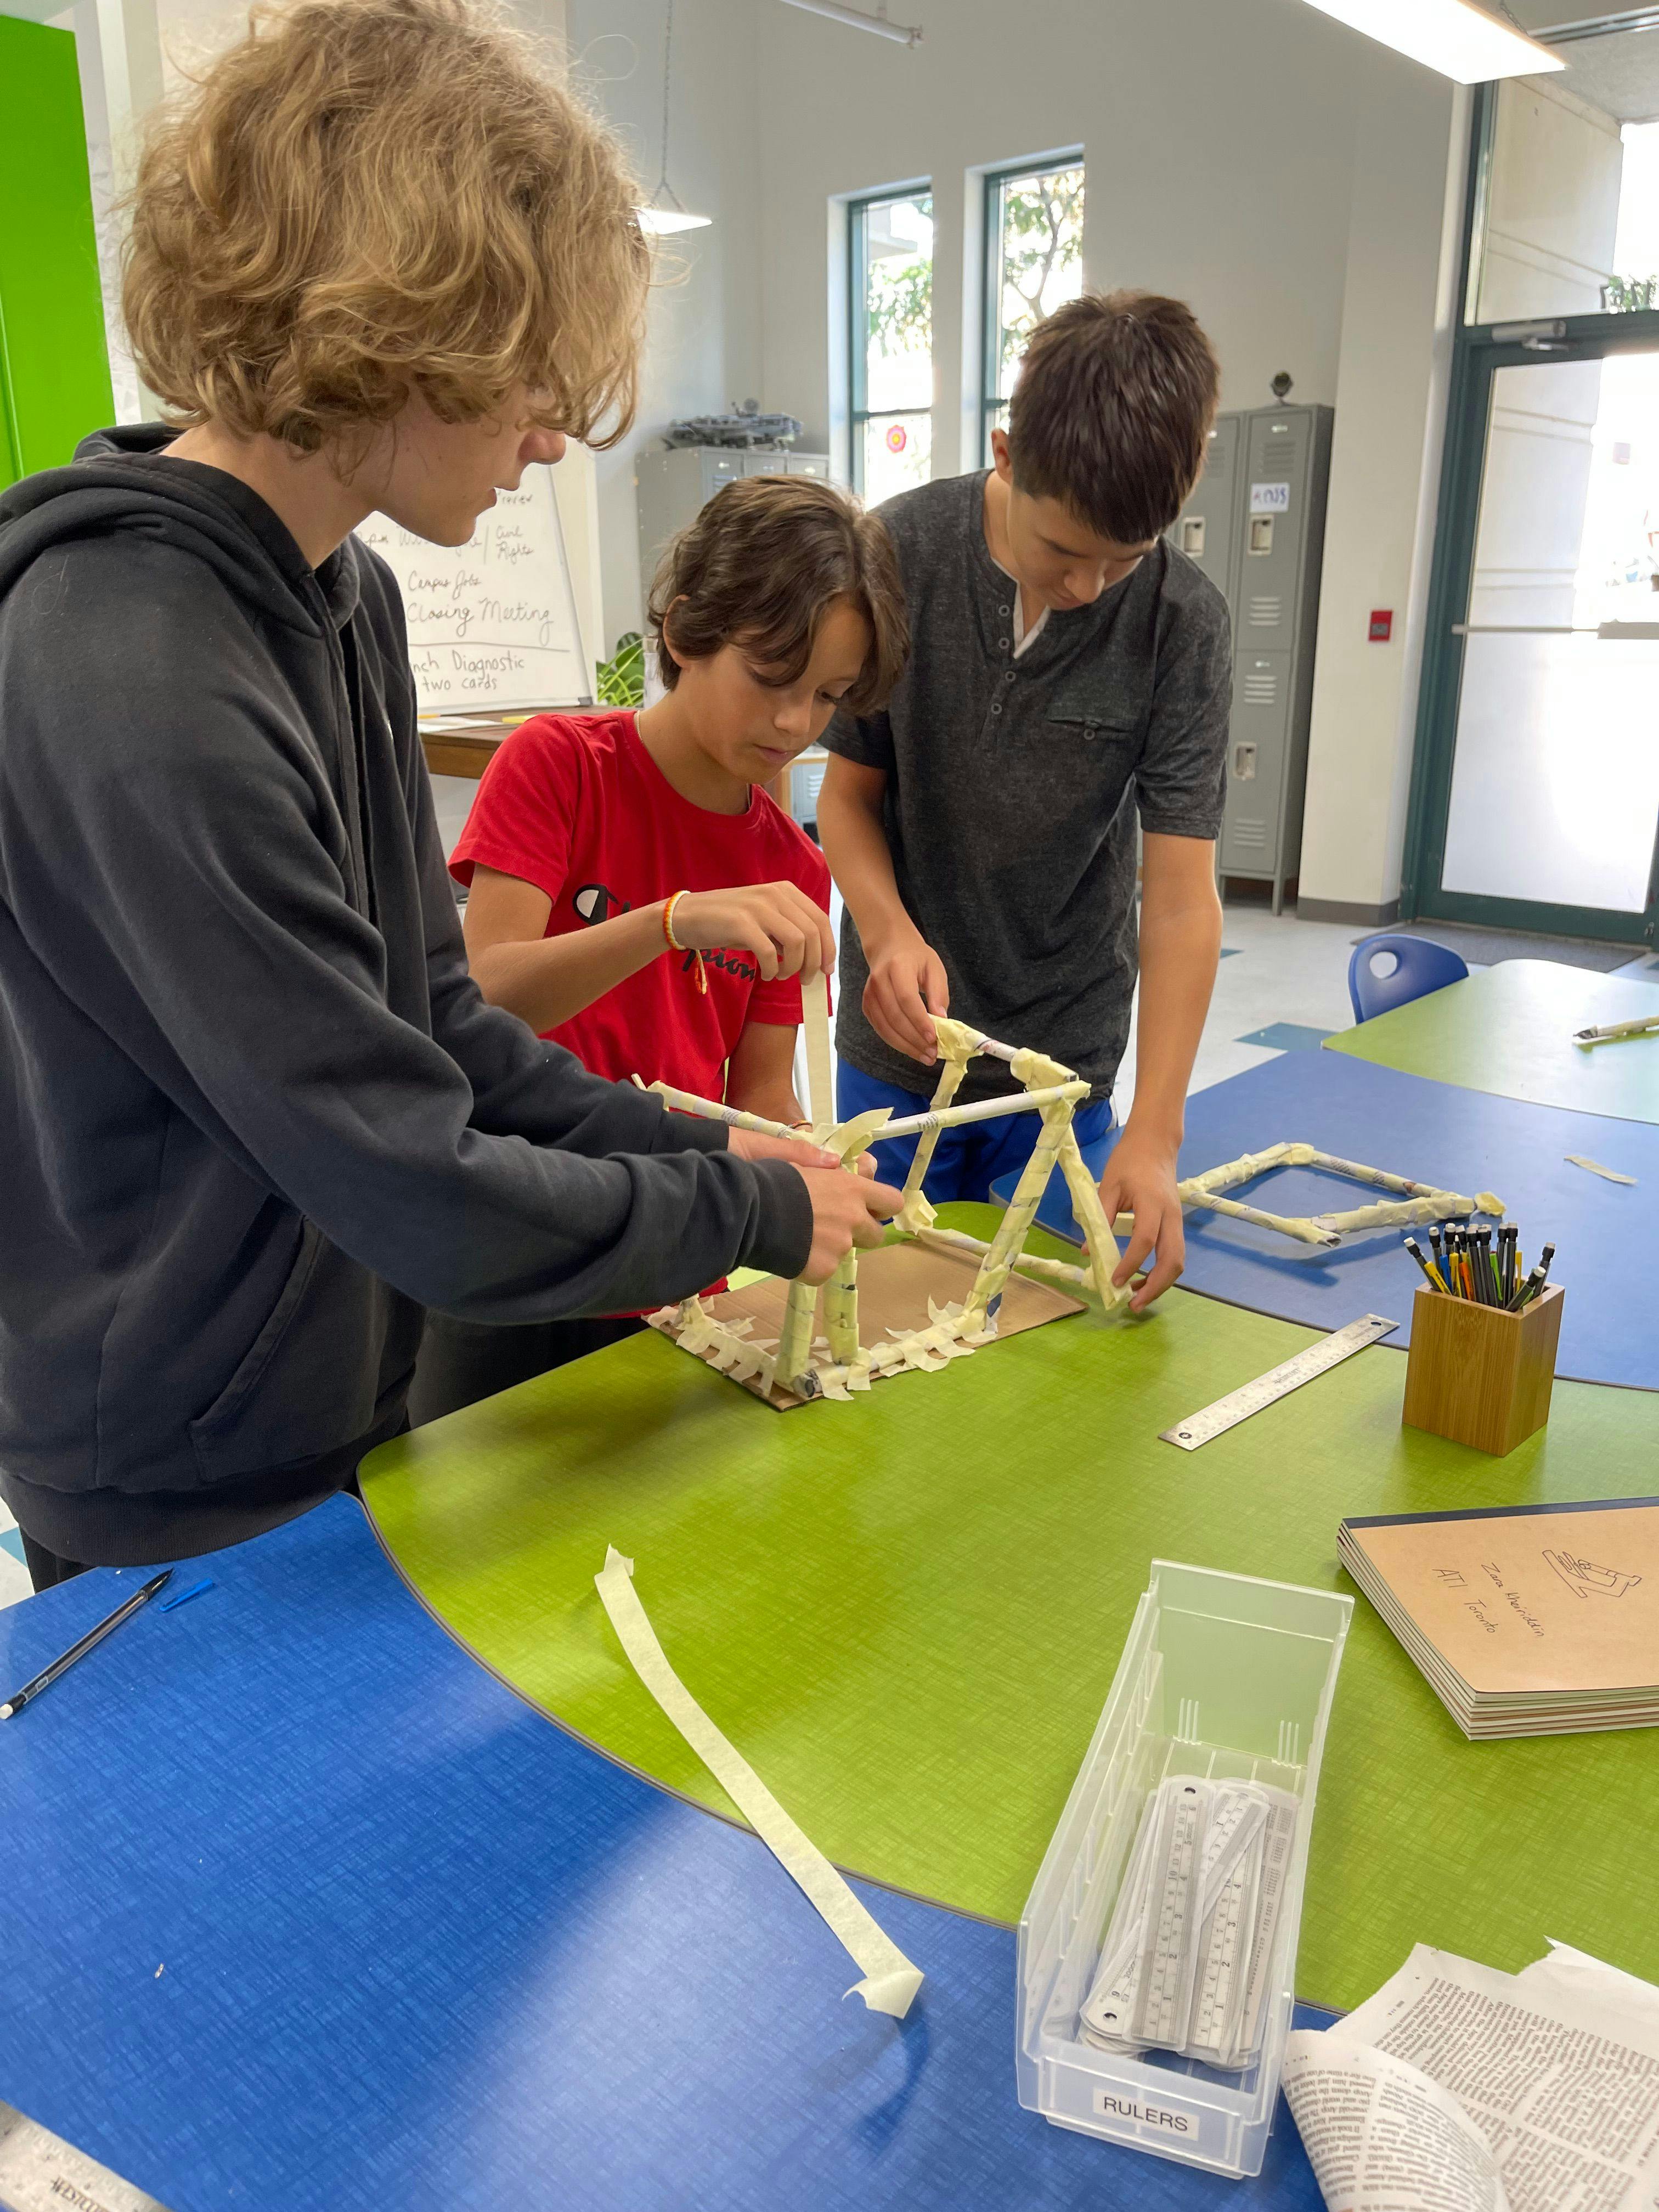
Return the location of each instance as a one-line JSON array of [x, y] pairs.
[[1416, 1251], [1528, 1290], [48, 1675]]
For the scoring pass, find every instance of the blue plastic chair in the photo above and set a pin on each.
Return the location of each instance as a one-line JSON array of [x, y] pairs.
[[1419, 966]]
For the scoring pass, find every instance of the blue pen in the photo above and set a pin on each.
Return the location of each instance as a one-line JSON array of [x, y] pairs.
[[184, 1596]]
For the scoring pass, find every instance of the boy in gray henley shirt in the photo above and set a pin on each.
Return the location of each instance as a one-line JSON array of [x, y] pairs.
[[1070, 676]]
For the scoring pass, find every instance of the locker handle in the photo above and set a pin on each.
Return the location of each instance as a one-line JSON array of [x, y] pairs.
[[1244, 763]]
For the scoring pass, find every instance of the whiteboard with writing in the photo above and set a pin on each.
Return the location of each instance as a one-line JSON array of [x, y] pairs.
[[492, 623]]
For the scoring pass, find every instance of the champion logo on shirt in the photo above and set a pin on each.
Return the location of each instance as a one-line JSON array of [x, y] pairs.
[[595, 903], [733, 960]]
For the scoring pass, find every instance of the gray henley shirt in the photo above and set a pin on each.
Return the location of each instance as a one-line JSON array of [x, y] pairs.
[[1013, 784]]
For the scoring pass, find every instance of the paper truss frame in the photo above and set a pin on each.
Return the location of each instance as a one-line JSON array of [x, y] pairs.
[[1417, 1201], [838, 1364]]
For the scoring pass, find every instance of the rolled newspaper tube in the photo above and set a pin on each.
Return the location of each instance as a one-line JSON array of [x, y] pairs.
[[949, 1082], [1097, 1230], [793, 1361], [1304, 1231], [1025, 1263], [1015, 1224], [841, 1312], [988, 1109], [1380, 1176], [1196, 1189], [711, 1109]]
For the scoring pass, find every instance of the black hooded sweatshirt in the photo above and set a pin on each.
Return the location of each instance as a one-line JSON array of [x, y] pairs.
[[254, 1114]]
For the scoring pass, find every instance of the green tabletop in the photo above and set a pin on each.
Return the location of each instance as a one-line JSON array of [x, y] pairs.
[[1509, 1030], [906, 1611]]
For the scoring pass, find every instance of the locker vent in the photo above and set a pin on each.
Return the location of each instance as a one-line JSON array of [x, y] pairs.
[[1261, 690], [1247, 832], [1267, 611], [1274, 445]]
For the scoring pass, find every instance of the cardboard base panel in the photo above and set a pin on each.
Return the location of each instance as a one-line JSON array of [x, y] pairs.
[[895, 1286]]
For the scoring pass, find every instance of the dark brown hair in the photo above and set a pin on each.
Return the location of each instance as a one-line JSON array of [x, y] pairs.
[[1114, 400], [759, 568]]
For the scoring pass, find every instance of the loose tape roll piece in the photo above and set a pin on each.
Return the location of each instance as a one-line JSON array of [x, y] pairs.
[[891, 1982], [1608, 1175]]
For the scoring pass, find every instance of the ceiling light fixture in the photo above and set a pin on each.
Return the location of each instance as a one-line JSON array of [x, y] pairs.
[[662, 214], [1460, 39], [905, 34]]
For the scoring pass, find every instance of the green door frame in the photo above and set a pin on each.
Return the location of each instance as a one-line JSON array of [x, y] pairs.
[[1479, 352]]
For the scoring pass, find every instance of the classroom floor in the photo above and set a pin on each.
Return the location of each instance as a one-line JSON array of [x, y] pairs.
[[1282, 987]]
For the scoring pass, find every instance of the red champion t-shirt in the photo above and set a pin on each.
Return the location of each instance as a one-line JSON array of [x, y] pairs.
[[576, 806]]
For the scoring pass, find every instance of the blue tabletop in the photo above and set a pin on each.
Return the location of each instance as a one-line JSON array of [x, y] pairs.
[[305, 1911], [1606, 1234]]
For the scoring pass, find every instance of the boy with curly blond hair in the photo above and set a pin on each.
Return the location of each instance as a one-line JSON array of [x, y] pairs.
[[256, 1114]]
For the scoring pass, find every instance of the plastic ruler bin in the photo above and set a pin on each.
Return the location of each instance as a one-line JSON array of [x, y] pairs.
[[1157, 1948]]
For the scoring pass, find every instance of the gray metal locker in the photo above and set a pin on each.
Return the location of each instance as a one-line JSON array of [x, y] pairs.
[[1280, 533], [674, 485], [1255, 764], [1206, 529]]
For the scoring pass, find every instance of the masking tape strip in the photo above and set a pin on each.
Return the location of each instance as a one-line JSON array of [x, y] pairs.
[[1104, 1254], [889, 1982], [1609, 1175], [794, 1354], [980, 1308], [916, 1212], [815, 1020], [1024, 1263]]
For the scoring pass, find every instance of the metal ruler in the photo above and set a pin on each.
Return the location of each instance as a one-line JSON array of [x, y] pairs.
[[1266, 1390]]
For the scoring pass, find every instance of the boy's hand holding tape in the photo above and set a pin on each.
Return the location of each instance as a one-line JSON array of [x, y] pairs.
[[788, 933]]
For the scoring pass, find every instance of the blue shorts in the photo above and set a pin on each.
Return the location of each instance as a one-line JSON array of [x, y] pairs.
[[967, 1159]]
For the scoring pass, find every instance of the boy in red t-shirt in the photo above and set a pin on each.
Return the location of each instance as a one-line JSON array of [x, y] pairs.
[[634, 894]]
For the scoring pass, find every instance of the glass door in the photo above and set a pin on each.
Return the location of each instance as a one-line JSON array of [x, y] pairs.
[[1536, 783], [1551, 806]]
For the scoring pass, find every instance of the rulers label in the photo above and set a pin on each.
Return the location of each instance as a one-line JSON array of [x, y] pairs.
[[1266, 1390]]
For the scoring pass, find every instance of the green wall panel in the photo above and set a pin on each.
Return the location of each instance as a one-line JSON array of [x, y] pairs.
[[54, 367]]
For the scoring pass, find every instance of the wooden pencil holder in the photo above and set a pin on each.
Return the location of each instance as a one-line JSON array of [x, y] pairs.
[[1478, 1375]]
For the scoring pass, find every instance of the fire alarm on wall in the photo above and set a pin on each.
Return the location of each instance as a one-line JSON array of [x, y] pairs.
[[1381, 625]]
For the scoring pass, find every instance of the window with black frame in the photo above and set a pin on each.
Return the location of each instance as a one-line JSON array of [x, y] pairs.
[[891, 341], [1034, 263]]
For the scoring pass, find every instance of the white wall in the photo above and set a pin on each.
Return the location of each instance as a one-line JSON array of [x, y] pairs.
[[1287, 177], [1403, 253], [1553, 209], [1219, 138], [703, 350]]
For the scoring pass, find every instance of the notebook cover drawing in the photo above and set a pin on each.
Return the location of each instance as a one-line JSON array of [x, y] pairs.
[[1541, 1603]]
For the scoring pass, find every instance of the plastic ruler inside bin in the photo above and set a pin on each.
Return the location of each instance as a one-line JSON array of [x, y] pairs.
[[1158, 1948]]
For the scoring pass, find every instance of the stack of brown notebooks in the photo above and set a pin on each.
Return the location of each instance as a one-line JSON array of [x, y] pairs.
[[1524, 1620]]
